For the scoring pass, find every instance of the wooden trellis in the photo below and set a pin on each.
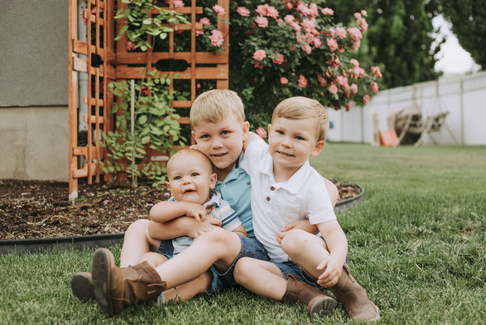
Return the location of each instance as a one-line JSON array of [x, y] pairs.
[[104, 65]]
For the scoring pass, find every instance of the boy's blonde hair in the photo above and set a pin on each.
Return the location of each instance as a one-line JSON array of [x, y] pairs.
[[299, 108], [215, 105]]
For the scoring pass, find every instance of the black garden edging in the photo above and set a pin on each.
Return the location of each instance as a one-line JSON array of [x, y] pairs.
[[77, 242], [92, 241], [351, 202]]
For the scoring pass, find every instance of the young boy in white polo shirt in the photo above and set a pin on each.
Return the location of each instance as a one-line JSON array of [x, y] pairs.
[[285, 188]]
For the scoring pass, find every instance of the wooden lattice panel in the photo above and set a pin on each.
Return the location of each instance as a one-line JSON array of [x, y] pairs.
[[103, 66]]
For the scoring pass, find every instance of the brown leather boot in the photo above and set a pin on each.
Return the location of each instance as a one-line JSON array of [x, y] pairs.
[[116, 289], [317, 301], [82, 286], [354, 298]]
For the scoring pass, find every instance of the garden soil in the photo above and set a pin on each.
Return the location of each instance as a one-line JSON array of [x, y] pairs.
[[41, 209]]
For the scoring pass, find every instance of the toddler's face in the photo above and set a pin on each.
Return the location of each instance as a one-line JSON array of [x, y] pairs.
[[222, 142], [190, 179], [291, 142]]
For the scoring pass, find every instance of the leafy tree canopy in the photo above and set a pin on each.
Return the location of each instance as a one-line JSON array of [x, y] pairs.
[[468, 18], [399, 40]]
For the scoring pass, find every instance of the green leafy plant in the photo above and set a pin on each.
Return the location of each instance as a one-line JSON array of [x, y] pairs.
[[140, 23], [156, 126]]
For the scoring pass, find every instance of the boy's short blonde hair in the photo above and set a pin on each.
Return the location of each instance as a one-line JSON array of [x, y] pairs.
[[299, 108], [215, 105]]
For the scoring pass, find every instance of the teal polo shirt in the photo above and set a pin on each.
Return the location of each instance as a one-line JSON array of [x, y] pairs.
[[236, 190]]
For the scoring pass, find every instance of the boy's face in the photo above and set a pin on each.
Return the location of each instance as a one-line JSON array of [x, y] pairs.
[[222, 142], [291, 142], [190, 179]]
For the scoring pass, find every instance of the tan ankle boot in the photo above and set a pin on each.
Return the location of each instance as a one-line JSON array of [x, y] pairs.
[[82, 286], [354, 298], [116, 289], [317, 301]]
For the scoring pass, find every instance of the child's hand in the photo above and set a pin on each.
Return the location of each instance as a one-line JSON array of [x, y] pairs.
[[299, 224], [333, 269], [207, 225], [197, 211]]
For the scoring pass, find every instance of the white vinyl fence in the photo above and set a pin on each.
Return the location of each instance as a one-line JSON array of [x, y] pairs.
[[464, 97]]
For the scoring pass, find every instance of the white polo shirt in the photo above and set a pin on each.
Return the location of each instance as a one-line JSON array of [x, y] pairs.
[[274, 205]]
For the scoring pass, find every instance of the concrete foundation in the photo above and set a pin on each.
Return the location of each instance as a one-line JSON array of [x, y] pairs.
[[34, 143]]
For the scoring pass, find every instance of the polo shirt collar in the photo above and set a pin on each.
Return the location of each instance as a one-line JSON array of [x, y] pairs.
[[235, 171], [294, 184]]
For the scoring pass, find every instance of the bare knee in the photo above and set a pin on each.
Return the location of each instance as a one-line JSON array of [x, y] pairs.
[[217, 236], [138, 227], [295, 242], [154, 259], [244, 270]]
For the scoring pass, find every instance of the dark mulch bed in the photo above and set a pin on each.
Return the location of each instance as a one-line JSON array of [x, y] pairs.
[[41, 209]]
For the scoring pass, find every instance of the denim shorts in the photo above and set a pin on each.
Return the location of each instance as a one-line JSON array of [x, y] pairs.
[[250, 247], [167, 249], [291, 268]]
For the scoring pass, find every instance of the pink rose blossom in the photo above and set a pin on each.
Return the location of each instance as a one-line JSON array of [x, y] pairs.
[[289, 5], [84, 15], [93, 11], [317, 42], [322, 80], [219, 10], [354, 62], [272, 12], [259, 55], [309, 24], [376, 72], [332, 89], [363, 24], [261, 21], [216, 38], [341, 32], [258, 66], [280, 59], [205, 21], [302, 81], [366, 99], [348, 106], [355, 45], [357, 15], [327, 11], [302, 7], [243, 12], [343, 82], [364, 13], [199, 32], [178, 3], [261, 132], [284, 81], [289, 19], [314, 10], [333, 45], [262, 10], [296, 27], [130, 46], [374, 87], [355, 33], [354, 89], [307, 49]]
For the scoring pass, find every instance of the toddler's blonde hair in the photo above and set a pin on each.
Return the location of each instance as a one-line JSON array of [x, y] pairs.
[[299, 108], [216, 105], [193, 154]]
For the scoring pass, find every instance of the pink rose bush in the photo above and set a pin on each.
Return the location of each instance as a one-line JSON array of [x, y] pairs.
[[284, 48], [261, 132]]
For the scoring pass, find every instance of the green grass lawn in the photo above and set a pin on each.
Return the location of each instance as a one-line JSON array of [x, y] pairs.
[[417, 244]]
